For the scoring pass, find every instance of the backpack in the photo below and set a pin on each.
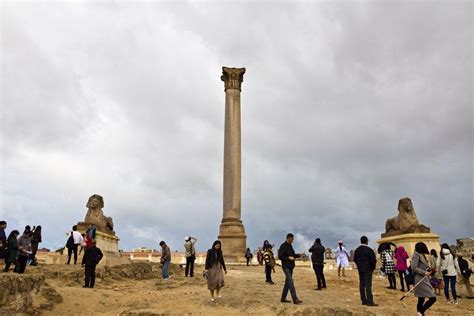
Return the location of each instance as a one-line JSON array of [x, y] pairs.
[[464, 267], [70, 241]]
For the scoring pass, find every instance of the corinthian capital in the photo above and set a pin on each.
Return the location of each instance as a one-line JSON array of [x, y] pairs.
[[232, 77]]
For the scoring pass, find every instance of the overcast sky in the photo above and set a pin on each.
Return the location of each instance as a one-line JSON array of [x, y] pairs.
[[346, 108]]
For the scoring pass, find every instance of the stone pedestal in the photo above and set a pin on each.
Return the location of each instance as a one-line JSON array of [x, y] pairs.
[[234, 241], [232, 232], [408, 241]]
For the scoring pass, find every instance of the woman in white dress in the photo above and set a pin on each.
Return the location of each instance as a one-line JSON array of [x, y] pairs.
[[342, 259]]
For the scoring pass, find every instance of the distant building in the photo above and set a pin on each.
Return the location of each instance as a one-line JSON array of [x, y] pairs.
[[144, 249]]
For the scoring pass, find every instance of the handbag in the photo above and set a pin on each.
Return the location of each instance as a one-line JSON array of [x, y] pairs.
[[444, 272]]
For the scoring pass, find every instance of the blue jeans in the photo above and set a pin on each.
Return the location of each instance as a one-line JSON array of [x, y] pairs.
[[164, 269], [452, 280], [289, 285]]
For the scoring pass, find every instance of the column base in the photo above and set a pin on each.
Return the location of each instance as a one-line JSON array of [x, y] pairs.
[[234, 240]]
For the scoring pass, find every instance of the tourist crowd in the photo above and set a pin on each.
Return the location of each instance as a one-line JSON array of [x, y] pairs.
[[425, 277], [19, 249]]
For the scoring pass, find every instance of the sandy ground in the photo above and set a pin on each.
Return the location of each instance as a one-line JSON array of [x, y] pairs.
[[245, 293]]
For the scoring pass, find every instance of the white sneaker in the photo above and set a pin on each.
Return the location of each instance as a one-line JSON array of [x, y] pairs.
[[219, 296], [455, 302], [212, 299]]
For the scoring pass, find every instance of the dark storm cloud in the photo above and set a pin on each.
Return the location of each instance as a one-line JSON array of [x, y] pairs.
[[346, 108]]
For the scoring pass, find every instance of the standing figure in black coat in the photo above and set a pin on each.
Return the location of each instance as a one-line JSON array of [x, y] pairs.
[[364, 257], [91, 259], [287, 255], [317, 258]]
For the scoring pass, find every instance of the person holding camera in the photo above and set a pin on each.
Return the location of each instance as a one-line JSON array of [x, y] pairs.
[[190, 253], [448, 265], [422, 272]]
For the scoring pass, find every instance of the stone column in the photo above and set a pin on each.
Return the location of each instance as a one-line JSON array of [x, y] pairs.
[[232, 232]]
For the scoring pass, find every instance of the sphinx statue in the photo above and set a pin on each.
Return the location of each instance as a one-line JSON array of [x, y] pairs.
[[405, 222], [96, 216]]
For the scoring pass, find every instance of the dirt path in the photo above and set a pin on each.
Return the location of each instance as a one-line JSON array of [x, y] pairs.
[[245, 293]]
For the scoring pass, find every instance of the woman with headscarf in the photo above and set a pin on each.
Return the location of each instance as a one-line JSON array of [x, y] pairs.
[[401, 266], [215, 269], [342, 259], [422, 272]]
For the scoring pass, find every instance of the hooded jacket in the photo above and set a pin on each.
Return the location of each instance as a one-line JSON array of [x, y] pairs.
[[448, 263], [402, 257]]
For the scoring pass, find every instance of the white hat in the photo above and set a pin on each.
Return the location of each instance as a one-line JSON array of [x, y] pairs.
[[187, 238]]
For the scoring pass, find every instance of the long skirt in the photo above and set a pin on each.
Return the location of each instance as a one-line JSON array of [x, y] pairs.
[[215, 277]]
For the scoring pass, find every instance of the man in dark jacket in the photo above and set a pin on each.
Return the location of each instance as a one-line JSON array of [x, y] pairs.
[[287, 255], [317, 257], [364, 257], [91, 259]]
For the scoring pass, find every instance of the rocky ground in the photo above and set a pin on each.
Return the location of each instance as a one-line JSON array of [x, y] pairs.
[[137, 290]]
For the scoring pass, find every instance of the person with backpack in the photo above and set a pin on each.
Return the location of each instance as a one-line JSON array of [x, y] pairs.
[[364, 258], [74, 240], [466, 272], [436, 278], [388, 265], [12, 250], [269, 260], [190, 254], [401, 266], [317, 259], [422, 272], [448, 265], [248, 256], [90, 260]]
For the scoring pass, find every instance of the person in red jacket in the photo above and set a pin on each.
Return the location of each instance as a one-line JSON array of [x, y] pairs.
[[401, 266]]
